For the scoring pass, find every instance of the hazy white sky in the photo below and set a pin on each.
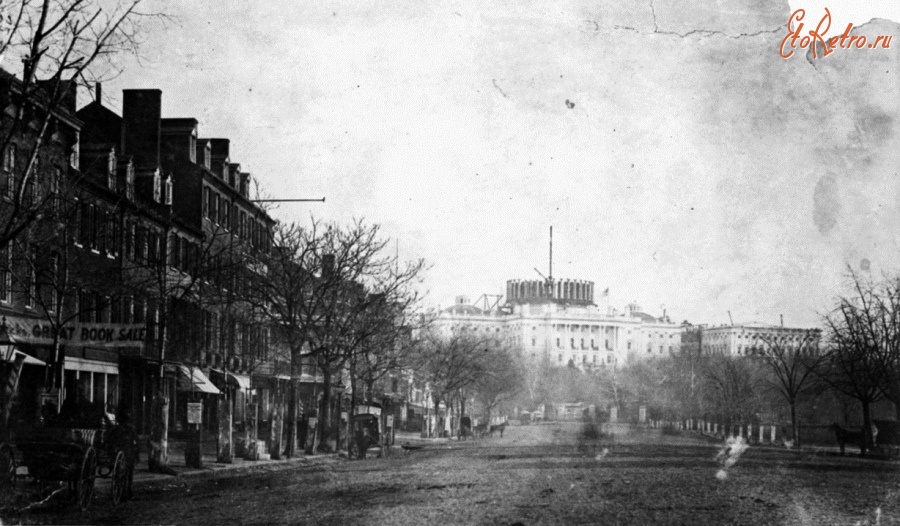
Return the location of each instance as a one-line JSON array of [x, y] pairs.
[[692, 167]]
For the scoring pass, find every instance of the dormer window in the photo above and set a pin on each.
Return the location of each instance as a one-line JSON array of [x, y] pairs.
[[129, 182], [167, 198], [193, 151], [73, 154], [157, 187], [207, 155]]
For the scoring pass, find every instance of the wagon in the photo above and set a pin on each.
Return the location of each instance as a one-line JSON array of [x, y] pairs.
[[367, 434], [76, 456]]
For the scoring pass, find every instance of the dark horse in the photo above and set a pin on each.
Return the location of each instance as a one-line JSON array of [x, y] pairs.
[[846, 436], [498, 427]]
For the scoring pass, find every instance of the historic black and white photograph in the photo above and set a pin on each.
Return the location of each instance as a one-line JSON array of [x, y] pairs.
[[437, 262]]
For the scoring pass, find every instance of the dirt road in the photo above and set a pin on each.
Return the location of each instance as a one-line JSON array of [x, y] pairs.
[[534, 475]]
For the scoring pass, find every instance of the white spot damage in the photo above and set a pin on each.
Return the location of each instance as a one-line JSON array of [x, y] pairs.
[[729, 455]]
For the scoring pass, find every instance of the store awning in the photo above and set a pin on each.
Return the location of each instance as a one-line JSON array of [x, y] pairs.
[[238, 381], [29, 360], [199, 380]]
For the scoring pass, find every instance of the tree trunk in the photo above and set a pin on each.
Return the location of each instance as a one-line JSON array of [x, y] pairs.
[[867, 427], [277, 424], [434, 432], [158, 456], [795, 423], [325, 412], [291, 420]]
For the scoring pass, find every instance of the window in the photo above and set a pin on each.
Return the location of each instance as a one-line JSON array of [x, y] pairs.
[[560, 357], [533, 342], [54, 190], [224, 220], [140, 244], [168, 190], [558, 344], [52, 298], [85, 306], [30, 279], [102, 221], [6, 275], [129, 240], [139, 307], [8, 177], [214, 206], [115, 310], [207, 202], [572, 342]]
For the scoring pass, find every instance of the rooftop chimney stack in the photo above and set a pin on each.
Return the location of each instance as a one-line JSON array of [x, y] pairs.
[[141, 112]]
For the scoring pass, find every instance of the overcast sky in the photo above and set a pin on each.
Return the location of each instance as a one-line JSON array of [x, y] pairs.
[[680, 160]]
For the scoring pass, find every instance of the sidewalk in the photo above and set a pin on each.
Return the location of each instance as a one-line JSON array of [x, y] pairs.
[[142, 475]]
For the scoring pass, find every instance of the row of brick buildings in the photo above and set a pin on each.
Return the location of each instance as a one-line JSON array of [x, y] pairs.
[[137, 261]]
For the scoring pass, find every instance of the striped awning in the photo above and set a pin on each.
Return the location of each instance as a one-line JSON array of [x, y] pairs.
[[29, 360], [199, 381]]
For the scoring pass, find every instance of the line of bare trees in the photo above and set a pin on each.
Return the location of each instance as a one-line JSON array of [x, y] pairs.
[[857, 362]]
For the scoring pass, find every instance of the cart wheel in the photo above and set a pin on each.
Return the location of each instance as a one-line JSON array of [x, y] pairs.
[[119, 477], [86, 479], [7, 469]]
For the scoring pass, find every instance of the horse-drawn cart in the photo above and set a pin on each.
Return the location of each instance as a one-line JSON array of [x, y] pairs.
[[76, 456]]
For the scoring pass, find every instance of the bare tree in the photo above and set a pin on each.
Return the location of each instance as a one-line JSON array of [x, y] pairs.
[[794, 370], [855, 357], [502, 377], [450, 363], [61, 44], [732, 388], [328, 290]]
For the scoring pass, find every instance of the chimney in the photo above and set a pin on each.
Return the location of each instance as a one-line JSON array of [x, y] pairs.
[[220, 152], [98, 97], [782, 319], [141, 111], [203, 156], [245, 184]]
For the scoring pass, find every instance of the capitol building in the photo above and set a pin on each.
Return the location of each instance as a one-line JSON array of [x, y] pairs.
[[558, 321]]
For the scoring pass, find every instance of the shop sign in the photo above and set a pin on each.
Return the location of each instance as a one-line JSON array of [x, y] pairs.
[[39, 332], [195, 412]]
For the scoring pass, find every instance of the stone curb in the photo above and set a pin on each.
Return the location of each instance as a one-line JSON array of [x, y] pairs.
[[144, 477]]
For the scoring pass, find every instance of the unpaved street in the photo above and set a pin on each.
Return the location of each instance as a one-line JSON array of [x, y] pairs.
[[534, 475]]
